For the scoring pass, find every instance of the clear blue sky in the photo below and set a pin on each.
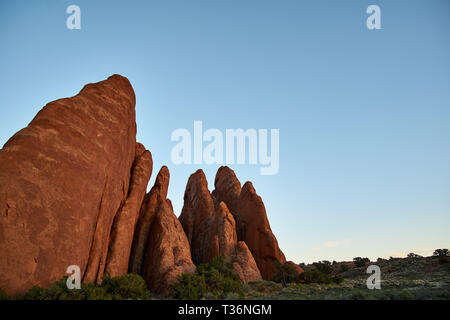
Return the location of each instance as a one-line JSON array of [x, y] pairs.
[[364, 116]]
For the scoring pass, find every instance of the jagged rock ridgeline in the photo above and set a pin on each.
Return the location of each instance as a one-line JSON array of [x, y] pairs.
[[73, 192]]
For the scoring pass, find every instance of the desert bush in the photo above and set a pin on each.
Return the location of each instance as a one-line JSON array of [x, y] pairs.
[[129, 286], [442, 254], [337, 279], [216, 278], [344, 267], [190, 286], [361, 262], [264, 286], [286, 273], [360, 295], [413, 255], [3, 295], [314, 276], [324, 266]]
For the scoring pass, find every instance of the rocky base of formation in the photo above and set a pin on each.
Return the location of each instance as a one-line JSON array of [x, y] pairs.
[[73, 192]]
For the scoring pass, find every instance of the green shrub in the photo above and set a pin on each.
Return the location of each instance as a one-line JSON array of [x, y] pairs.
[[413, 255], [286, 273], [314, 276], [129, 286], [443, 259], [190, 286], [405, 294], [359, 295], [324, 267], [216, 278], [344, 267], [441, 253], [361, 262], [337, 279], [3, 295]]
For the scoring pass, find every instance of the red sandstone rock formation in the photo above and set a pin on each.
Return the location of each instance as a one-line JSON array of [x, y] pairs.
[[151, 203], [212, 231], [255, 231], [161, 249], [63, 178], [245, 264], [216, 236], [227, 188], [251, 220], [72, 192], [168, 254], [126, 218], [198, 206]]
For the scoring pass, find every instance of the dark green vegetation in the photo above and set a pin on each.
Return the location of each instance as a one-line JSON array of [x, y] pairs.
[[413, 277], [213, 280], [318, 272], [129, 286]]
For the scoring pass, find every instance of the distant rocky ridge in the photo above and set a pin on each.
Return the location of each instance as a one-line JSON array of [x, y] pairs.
[[73, 192]]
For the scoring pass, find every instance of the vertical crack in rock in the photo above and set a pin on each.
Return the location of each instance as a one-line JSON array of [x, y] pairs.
[[161, 249], [125, 220]]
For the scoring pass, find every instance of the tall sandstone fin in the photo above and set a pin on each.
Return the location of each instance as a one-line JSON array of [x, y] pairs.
[[198, 206], [62, 180], [255, 230], [161, 249], [125, 220], [252, 224], [151, 203]]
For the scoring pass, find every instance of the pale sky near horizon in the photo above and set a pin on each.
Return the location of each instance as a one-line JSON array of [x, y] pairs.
[[364, 115]]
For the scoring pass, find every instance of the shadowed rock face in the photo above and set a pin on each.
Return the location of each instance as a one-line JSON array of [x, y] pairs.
[[126, 218], [251, 220], [198, 206], [168, 254], [161, 249], [245, 264], [150, 205], [216, 236], [255, 231], [63, 178]]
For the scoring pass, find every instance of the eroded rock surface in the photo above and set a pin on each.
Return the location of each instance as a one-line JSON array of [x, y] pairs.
[[244, 264], [63, 178], [255, 230], [125, 220], [161, 249]]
